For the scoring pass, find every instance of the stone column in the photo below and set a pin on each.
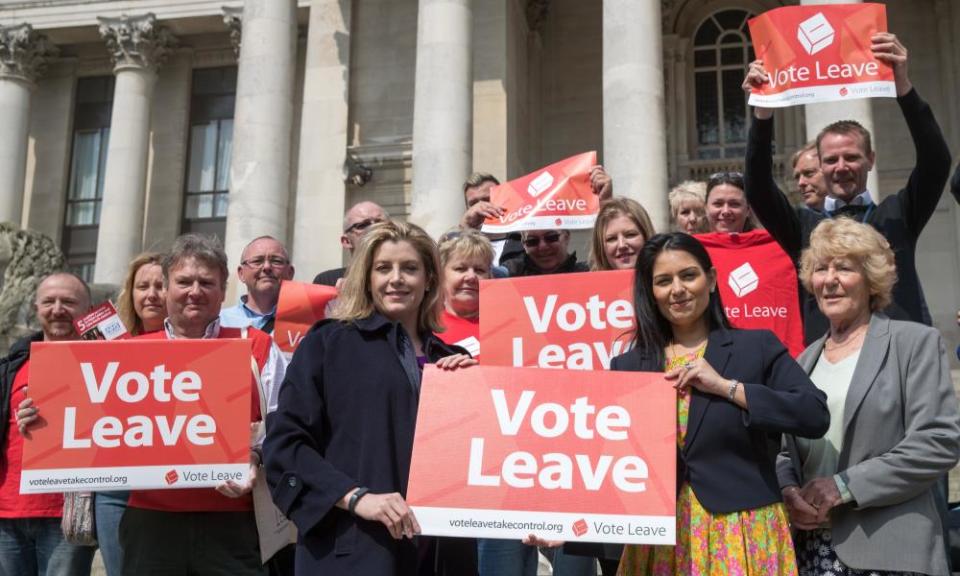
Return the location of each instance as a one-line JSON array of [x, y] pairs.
[[820, 115], [323, 140], [442, 113], [263, 124], [138, 46], [23, 56], [634, 122]]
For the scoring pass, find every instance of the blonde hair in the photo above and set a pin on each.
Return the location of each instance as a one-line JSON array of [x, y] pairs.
[[356, 298], [609, 211], [125, 308], [468, 244], [861, 243], [688, 190]]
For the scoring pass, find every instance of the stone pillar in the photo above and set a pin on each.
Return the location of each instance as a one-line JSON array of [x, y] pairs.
[[23, 56], [263, 124], [634, 122], [442, 113], [138, 46], [820, 115], [323, 140]]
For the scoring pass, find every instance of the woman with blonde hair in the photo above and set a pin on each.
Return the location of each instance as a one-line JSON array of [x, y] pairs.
[[688, 207], [142, 303], [338, 447], [466, 257], [622, 227], [863, 498]]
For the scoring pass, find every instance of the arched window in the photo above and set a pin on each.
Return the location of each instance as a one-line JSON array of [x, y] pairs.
[[721, 52]]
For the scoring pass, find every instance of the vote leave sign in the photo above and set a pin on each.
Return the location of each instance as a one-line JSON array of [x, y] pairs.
[[558, 196], [576, 321], [300, 306], [138, 414], [505, 452], [820, 53]]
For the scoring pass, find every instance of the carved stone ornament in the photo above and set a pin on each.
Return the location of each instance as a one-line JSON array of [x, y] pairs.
[[233, 18], [24, 53], [137, 40]]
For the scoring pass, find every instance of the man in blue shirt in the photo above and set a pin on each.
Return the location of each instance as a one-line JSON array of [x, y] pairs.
[[264, 263]]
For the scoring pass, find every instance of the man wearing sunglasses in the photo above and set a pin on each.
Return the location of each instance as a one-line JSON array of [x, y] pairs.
[[264, 263], [359, 218], [545, 252]]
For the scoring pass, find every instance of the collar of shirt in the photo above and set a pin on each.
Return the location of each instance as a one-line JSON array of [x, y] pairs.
[[831, 204], [212, 330], [251, 313]]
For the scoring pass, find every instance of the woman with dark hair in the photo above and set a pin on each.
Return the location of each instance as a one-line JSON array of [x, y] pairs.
[[726, 204], [730, 417]]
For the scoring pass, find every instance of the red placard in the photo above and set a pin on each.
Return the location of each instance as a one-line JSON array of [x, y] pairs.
[[558, 196], [505, 452], [300, 307], [820, 53], [576, 321], [101, 323], [138, 414]]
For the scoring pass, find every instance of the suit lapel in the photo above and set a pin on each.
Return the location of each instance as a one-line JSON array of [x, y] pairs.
[[872, 354], [717, 355]]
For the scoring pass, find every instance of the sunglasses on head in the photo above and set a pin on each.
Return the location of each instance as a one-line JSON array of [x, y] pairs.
[[363, 225], [548, 238]]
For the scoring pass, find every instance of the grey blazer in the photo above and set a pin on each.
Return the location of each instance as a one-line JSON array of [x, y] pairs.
[[901, 433]]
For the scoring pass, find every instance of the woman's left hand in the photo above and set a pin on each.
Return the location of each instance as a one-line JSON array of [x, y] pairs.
[[822, 493], [699, 374], [455, 361]]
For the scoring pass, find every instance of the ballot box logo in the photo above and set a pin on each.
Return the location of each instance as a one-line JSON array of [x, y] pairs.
[[540, 184], [815, 33], [743, 280], [580, 527], [171, 477]]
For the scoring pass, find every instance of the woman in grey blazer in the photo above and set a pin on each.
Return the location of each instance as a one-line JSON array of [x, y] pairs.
[[862, 498]]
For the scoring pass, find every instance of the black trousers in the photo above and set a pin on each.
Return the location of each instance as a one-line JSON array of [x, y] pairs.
[[157, 543]]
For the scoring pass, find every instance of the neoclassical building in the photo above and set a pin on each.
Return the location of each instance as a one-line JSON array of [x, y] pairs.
[[124, 123]]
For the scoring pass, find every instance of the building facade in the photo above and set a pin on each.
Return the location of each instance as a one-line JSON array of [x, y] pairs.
[[128, 122]]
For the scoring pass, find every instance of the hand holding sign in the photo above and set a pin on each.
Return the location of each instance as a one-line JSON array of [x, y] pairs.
[[887, 48]]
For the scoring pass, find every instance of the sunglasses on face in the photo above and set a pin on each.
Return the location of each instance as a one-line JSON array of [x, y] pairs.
[[548, 238], [362, 225]]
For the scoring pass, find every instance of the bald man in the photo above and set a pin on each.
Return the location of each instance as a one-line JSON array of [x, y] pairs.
[[264, 263], [359, 218]]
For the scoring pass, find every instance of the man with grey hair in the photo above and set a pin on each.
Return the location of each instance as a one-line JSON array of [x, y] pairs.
[[31, 541], [203, 530], [264, 264], [358, 219]]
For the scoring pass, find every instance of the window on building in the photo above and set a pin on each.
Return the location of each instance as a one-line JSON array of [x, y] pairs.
[[721, 52], [91, 135], [211, 144]]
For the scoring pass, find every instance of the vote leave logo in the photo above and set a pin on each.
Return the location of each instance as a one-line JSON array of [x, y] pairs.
[[540, 184], [171, 477], [815, 33], [580, 527], [743, 280]]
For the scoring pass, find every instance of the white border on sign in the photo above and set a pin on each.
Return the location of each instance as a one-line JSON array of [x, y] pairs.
[[826, 93], [542, 223], [128, 477], [515, 524]]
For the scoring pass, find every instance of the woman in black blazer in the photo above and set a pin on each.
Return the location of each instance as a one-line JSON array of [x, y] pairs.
[[338, 447], [737, 392]]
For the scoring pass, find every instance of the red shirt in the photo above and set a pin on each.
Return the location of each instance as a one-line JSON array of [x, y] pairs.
[[12, 503], [462, 332], [207, 499]]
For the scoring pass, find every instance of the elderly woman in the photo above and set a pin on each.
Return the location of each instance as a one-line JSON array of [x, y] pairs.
[[726, 204], [466, 257], [738, 391], [338, 447], [687, 207], [862, 497], [621, 228]]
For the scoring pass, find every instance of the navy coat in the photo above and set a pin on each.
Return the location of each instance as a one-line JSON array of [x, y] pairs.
[[346, 418]]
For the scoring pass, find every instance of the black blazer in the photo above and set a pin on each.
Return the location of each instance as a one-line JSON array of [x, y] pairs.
[[729, 456], [346, 418]]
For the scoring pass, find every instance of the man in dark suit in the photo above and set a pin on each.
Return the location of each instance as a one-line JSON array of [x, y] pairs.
[[846, 157], [359, 218]]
